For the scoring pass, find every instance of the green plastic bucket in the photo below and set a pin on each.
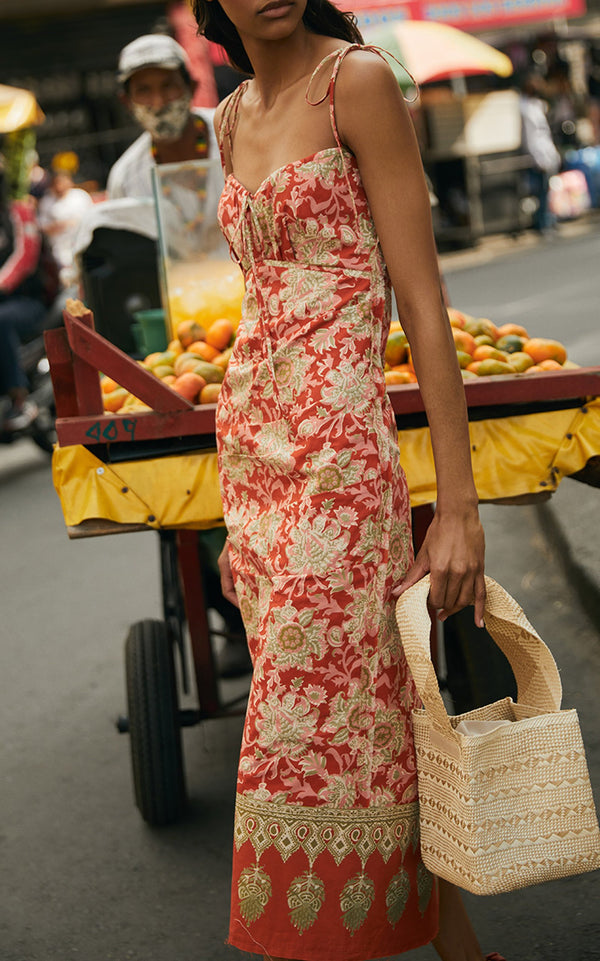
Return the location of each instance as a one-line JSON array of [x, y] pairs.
[[137, 332], [153, 329]]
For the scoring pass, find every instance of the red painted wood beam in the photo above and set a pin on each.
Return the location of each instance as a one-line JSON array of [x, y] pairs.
[[92, 353], [502, 389], [60, 359]]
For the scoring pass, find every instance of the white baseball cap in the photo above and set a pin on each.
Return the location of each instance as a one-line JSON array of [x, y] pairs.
[[151, 50]]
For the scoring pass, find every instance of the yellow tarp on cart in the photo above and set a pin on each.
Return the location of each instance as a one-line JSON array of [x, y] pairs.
[[511, 457]]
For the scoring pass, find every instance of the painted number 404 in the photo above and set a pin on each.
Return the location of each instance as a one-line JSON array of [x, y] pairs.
[[121, 429]]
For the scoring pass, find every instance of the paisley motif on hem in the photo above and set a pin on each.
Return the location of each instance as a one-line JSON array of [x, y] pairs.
[[340, 831]]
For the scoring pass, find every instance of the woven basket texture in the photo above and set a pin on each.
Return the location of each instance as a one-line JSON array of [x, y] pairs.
[[511, 807]]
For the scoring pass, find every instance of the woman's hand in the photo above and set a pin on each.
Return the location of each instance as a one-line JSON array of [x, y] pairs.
[[227, 586], [453, 554]]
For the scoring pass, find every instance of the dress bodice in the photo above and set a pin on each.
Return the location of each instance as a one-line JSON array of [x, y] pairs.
[[313, 211]]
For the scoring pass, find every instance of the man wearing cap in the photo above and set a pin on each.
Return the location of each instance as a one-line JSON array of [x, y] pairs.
[[157, 90]]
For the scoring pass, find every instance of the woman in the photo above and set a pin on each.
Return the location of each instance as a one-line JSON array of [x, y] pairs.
[[324, 204]]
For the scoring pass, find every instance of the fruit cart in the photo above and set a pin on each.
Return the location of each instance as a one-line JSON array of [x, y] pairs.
[[155, 468]]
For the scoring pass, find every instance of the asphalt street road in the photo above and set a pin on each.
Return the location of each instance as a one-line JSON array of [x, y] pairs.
[[82, 876]]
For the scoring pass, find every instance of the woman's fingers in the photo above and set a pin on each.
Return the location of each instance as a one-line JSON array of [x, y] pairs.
[[455, 593], [414, 574], [227, 586]]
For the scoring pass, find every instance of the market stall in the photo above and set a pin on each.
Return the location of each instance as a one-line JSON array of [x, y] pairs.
[[153, 467], [136, 452]]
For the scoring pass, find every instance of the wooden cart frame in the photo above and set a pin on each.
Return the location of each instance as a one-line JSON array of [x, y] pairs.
[[76, 354]]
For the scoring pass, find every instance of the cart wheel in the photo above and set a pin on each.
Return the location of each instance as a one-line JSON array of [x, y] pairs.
[[154, 729]]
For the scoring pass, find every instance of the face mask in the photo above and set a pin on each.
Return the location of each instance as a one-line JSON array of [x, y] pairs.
[[163, 123]]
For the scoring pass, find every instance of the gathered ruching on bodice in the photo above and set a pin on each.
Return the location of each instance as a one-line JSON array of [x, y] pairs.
[[312, 211]]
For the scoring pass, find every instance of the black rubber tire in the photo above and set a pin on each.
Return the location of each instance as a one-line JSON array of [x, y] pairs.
[[154, 728], [43, 430]]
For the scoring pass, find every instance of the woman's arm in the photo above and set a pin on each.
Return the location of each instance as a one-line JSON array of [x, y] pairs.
[[374, 122]]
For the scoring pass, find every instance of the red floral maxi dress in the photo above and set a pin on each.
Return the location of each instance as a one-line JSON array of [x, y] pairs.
[[327, 862]]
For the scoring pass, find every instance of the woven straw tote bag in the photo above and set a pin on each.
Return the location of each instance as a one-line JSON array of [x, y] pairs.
[[512, 806]]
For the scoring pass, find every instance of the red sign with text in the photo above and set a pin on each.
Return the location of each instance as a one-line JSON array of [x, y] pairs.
[[466, 14]]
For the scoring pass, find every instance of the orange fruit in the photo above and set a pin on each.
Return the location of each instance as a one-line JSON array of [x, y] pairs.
[[188, 331], [222, 359], [408, 370], [210, 373], [511, 343], [493, 366], [114, 400], [185, 361], [520, 361], [175, 346], [456, 317], [505, 330], [542, 348], [397, 377], [481, 325], [536, 369], [107, 385], [464, 359], [463, 340], [396, 348], [189, 385], [220, 333], [153, 359], [474, 366], [162, 370], [485, 352], [159, 358], [203, 350], [210, 393], [550, 365], [133, 403]]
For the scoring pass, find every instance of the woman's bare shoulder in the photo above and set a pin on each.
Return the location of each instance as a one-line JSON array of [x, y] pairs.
[[367, 92], [363, 69]]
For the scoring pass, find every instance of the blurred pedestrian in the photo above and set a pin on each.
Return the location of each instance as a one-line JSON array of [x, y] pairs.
[[562, 111], [537, 142], [60, 212], [593, 83], [22, 310], [157, 89]]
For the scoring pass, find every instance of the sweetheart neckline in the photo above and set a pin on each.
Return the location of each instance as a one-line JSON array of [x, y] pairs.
[[292, 163]]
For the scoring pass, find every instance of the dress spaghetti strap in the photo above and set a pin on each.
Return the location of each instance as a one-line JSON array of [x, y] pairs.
[[229, 121], [339, 56]]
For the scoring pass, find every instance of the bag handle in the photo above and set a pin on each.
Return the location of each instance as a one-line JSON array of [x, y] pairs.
[[535, 670]]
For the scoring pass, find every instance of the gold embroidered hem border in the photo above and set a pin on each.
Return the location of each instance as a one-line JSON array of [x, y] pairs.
[[340, 831]]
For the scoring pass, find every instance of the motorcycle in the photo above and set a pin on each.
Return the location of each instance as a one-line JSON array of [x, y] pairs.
[[34, 363]]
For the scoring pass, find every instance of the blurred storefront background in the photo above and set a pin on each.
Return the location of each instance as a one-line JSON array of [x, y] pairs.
[[66, 51]]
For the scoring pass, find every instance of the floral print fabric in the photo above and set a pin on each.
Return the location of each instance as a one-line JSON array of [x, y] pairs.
[[326, 854]]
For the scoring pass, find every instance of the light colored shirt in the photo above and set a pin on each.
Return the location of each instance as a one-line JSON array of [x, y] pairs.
[[537, 137], [69, 210], [131, 174]]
